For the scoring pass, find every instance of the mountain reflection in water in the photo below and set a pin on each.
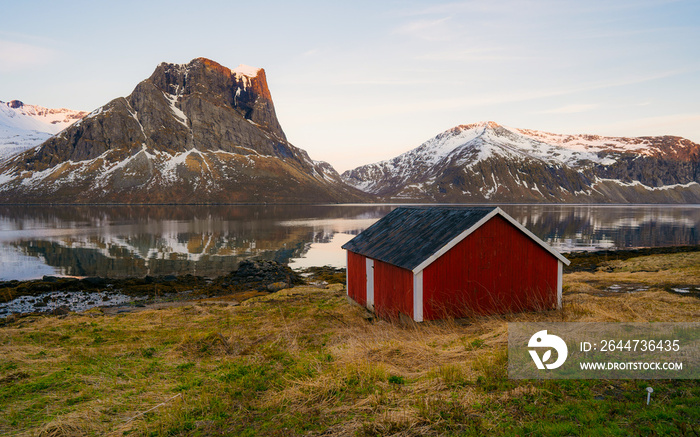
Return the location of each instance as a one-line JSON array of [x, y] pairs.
[[115, 241]]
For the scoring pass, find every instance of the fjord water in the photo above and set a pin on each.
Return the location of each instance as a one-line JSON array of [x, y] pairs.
[[117, 241]]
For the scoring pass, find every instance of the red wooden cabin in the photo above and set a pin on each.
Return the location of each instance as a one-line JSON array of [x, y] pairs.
[[436, 262]]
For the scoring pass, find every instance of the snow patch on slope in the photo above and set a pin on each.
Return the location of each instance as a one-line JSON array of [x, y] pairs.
[[646, 187], [246, 70], [17, 115], [590, 143], [179, 115], [25, 126]]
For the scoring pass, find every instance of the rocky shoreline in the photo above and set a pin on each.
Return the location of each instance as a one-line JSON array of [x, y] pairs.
[[60, 295], [591, 261]]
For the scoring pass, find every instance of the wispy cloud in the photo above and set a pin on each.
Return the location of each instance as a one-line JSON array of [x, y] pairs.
[[632, 80], [569, 109], [311, 52], [537, 7], [30, 38], [429, 30], [16, 56], [378, 111], [470, 6], [385, 82], [684, 125], [470, 55]]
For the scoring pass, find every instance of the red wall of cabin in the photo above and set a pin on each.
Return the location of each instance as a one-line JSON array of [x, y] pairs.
[[496, 269], [357, 278], [393, 290]]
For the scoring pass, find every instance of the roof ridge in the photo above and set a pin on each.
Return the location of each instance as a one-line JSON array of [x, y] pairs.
[[447, 207], [408, 237]]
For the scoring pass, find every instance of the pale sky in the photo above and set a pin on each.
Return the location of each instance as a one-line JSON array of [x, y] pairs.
[[355, 82]]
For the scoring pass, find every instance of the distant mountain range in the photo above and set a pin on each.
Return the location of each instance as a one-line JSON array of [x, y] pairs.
[[25, 126], [487, 162], [203, 133], [191, 133]]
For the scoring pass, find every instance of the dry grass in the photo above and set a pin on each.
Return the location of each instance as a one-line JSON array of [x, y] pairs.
[[305, 361], [659, 272], [77, 424]]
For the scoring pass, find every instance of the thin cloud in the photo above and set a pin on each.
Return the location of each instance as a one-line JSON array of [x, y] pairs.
[[569, 109], [429, 30], [36, 40], [478, 54], [468, 7], [540, 8], [19, 56], [634, 80], [684, 125], [471, 101], [310, 53], [383, 82]]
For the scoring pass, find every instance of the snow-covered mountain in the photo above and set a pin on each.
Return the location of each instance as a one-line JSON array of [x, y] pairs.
[[25, 126], [489, 162], [191, 133]]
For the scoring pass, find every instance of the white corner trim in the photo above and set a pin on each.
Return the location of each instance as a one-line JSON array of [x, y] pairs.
[[455, 241], [560, 283], [369, 269], [347, 271], [418, 297]]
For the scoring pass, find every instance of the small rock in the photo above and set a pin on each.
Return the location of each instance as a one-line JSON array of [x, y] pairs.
[[276, 286], [60, 311], [95, 281]]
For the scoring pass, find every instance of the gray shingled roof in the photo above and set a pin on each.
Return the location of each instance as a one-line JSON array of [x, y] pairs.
[[407, 236]]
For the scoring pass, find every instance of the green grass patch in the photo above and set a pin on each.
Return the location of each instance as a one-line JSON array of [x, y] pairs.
[[306, 362]]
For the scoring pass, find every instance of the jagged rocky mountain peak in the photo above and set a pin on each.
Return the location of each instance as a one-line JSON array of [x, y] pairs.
[[205, 73], [244, 89], [190, 133]]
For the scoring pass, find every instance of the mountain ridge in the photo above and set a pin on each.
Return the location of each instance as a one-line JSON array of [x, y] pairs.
[[484, 162], [190, 133]]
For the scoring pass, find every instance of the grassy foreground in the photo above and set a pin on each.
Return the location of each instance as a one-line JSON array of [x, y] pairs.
[[304, 361]]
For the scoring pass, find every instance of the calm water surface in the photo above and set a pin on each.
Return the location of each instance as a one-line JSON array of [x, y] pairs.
[[211, 240]]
